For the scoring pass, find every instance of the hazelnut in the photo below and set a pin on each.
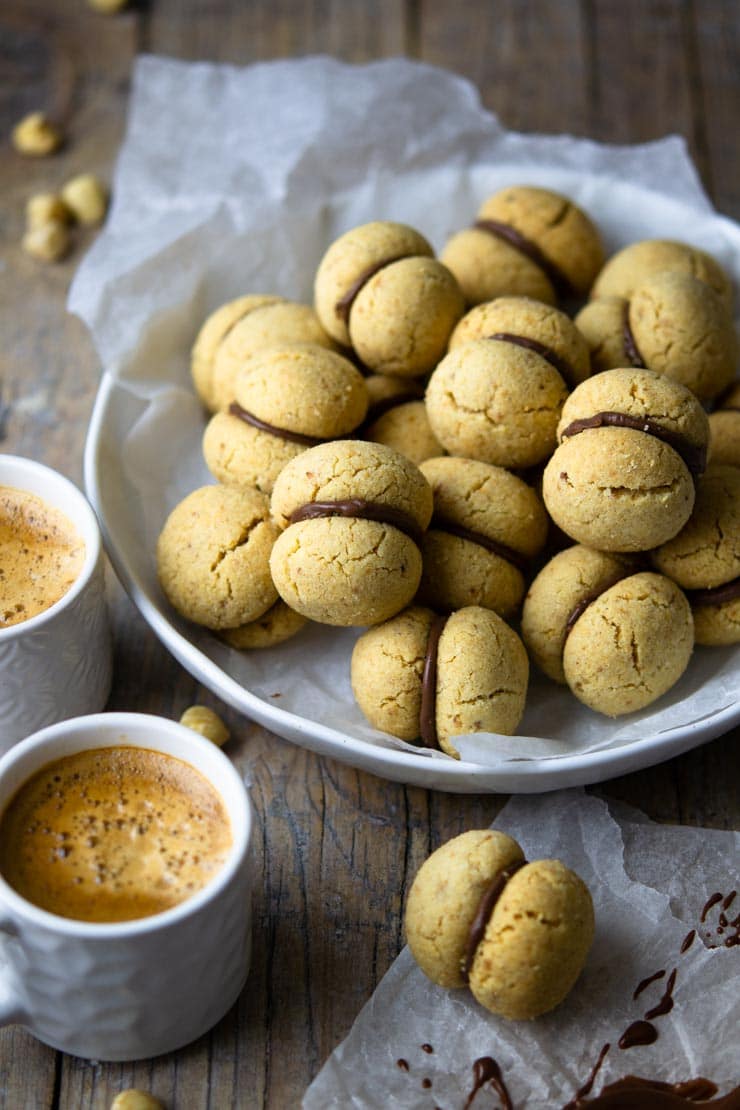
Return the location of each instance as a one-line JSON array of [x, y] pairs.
[[36, 136], [107, 7], [86, 197], [49, 241], [135, 1100], [46, 208], [203, 720]]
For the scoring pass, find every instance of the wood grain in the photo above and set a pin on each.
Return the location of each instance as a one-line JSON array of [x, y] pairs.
[[335, 848]]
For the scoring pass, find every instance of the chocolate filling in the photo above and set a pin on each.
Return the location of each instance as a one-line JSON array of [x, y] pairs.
[[486, 907], [365, 510], [343, 307], [715, 595], [381, 407], [443, 524], [581, 606], [514, 238], [630, 345], [563, 368], [428, 711], [280, 433], [694, 457]]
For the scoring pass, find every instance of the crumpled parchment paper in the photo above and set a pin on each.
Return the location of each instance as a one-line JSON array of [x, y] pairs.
[[650, 884], [236, 180]]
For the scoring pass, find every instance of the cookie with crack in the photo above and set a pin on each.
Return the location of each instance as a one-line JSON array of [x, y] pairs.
[[354, 514], [423, 676], [238, 330], [286, 399], [724, 428], [496, 402], [531, 324], [213, 556], [636, 263], [673, 324], [704, 558], [516, 933], [397, 417], [380, 290], [631, 443], [278, 624], [486, 528], [527, 242]]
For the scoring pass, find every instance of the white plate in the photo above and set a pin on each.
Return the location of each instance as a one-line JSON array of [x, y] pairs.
[[131, 449]]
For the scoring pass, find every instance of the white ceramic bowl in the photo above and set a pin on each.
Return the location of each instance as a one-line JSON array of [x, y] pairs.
[[57, 664]]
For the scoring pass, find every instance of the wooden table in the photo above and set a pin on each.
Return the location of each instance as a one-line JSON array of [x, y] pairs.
[[335, 848]]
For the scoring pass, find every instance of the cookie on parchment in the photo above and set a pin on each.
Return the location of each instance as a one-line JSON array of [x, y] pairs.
[[516, 933]]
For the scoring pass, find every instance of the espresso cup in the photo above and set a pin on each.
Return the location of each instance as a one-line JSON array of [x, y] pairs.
[[56, 664], [133, 989]]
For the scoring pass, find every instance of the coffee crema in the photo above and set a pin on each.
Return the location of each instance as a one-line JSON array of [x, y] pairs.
[[41, 555], [113, 834]]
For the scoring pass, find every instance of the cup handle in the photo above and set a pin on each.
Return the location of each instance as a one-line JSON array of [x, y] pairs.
[[11, 1006]]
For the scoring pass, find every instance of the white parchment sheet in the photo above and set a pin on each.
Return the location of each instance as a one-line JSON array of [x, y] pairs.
[[237, 180], [650, 884]]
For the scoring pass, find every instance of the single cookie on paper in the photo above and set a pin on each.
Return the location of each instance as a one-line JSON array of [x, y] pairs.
[[487, 527], [380, 290], [421, 676], [526, 242], [286, 399], [354, 514], [631, 445], [516, 933], [704, 558]]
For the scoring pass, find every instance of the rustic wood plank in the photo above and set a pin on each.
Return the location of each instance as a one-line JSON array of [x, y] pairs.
[[714, 45]]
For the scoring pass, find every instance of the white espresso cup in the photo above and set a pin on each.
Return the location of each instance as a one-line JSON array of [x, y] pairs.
[[58, 663], [132, 989]]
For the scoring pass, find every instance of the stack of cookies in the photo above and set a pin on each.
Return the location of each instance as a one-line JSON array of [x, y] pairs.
[[406, 454]]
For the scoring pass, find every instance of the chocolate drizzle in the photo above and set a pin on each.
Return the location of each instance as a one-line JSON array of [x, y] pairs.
[[280, 433], [716, 595], [486, 906], [563, 368], [357, 507], [630, 345], [644, 983], [666, 1003], [694, 457], [444, 524], [709, 904], [486, 1070], [638, 1033], [514, 238], [586, 1087], [688, 940], [343, 307], [428, 711]]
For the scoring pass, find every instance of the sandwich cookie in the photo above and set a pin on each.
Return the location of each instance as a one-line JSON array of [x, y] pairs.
[[380, 290], [278, 624], [724, 428], [354, 514], [497, 402], [531, 324], [704, 558], [516, 933], [213, 556], [526, 242], [486, 527], [631, 445], [618, 638], [286, 399], [421, 676]]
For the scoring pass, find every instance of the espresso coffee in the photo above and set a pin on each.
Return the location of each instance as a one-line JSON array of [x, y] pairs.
[[113, 834], [41, 555]]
